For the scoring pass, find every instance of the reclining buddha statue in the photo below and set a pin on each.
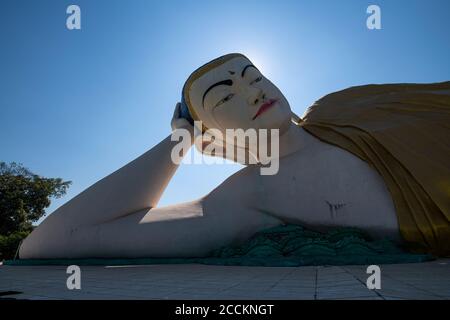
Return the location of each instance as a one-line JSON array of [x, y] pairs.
[[372, 157]]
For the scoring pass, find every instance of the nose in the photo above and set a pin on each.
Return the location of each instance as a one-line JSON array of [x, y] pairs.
[[256, 96]]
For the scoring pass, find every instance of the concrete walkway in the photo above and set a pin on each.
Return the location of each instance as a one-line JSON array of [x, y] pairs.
[[430, 280]]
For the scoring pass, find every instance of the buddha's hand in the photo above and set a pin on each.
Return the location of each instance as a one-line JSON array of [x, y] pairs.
[[178, 121]]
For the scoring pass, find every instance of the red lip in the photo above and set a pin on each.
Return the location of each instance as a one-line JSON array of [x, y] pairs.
[[265, 106]]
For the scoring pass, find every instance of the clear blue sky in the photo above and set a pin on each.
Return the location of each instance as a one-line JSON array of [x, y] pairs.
[[80, 104]]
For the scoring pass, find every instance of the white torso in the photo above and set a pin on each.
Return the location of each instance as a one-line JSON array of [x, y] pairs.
[[325, 186]]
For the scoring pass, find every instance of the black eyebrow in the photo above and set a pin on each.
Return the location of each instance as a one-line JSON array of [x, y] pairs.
[[246, 67], [224, 82]]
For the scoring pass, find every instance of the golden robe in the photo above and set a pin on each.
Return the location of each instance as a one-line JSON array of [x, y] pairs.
[[402, 131]]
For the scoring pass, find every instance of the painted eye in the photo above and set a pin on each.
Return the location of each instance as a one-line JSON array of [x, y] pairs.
[[227, 98], [256, 80]]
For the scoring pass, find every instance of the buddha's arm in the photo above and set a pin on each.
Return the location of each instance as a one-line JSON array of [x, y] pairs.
[[227, 214], [136, 186]]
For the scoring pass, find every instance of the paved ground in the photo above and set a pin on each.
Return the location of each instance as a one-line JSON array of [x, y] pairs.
[[429, 280]]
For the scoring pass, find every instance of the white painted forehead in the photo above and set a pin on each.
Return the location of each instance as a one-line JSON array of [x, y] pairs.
[[220, 73]]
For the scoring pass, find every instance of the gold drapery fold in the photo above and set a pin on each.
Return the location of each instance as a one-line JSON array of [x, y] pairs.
[[402, 131]]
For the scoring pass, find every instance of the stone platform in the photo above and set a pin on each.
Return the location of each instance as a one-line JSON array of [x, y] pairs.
[[429, 280]]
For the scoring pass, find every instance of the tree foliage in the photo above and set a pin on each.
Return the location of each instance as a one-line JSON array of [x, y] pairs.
[[24, 196], [10, 243]]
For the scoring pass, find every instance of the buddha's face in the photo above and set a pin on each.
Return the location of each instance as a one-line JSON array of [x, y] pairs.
[[236, 94]]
